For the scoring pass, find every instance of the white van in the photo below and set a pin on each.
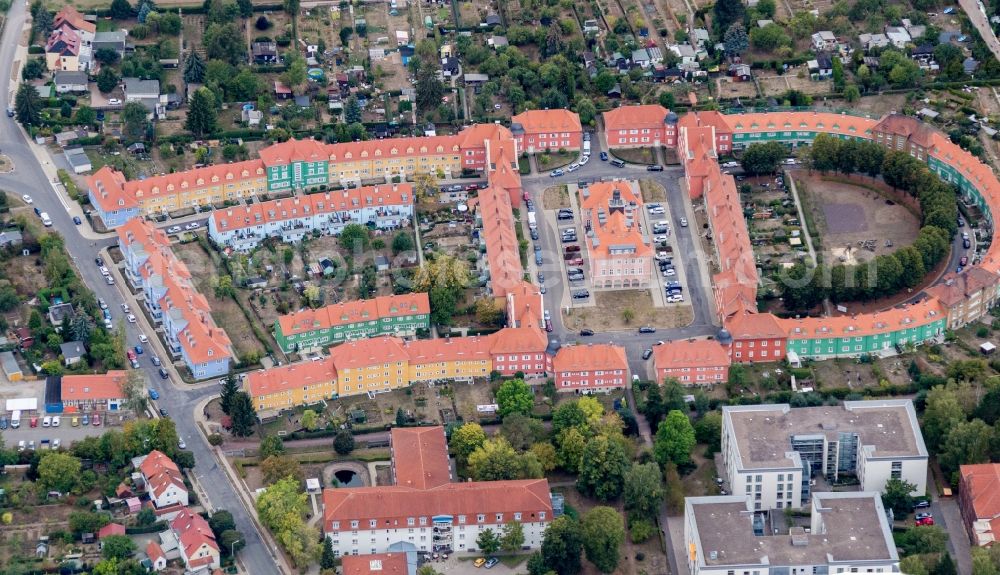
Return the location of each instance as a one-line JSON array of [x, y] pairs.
[[15, 419]]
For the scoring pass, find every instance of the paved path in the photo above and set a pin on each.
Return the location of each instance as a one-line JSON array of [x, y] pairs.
[[982, 23]]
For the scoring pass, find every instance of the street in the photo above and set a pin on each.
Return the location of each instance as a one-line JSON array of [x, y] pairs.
[[30, 178]]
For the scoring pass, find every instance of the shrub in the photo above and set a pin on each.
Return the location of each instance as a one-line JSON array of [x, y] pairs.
[[215, 439], [983, 331], [641, 530]]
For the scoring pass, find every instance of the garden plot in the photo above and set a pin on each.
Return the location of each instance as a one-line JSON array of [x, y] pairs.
[[778, 85], [194, 29], [729, 88]]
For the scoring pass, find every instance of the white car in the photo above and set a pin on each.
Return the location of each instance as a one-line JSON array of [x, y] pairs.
[[27, 199], [547, 315], [662, 256], [669, 272], [143, 338], [125, 308], [657, 211], [102, 303], [181, 444], [192, 226], [105, 272], [789, 161], [114, 102], [573, 167], [130, 318], [675, 299], [660, 239], [109, 280], [55, 443], [584, 160], [173, 229], [55, 421], [684, 222]]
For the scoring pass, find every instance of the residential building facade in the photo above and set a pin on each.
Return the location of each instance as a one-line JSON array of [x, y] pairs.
[[692, 361], [642, 126], [594, 368], [619, 256], [195, 541], [538, 131], [93, 393], [164, 481], [977, 500], [398, 315]]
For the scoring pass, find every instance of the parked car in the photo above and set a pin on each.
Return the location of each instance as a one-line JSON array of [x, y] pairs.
[[56, 421], [491, 562], [581, 294], [586, 332], [556, 173], [138, 350], [153, 394], [103, 304], [604, 156], [99, 261], [130, 318], [647, 329], [164, 374], [964, 260], [479, 562], [922, 504], [163, 412], [173, 229], [125, 308], [96, 420], [676, 298], [155, 360], [27, 199], [654, 168], [684, 222], [192, 226], [618, 163], [77, 220], [926, 522], [647, 353]]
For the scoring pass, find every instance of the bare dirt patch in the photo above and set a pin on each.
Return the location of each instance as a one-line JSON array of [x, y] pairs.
[[730, 88], [652, 191], [610, 312], [846, 214], [555, 197]]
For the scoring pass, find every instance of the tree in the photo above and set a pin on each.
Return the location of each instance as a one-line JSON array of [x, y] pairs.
[[727, 12], [201, 118], [896, 496], [221, 521], [913, 565], [87, 521], [58, 471], [465, 440], [922, 539], [229, 390], [328, 560], [514, 396], [231, 541], [736, 40], [762, 158], [586, 110], [674, 440], [352, 110], [309, 419], [545, 453], [513, 537], [117, 547], [769, 38], [852, 93], [430, 90], [355, 238], [295, 73], [521, 430], [134, 391], [488, 541], [343, 442], [643, 489], [602, 469], [27, 105], [136, 123], [494, 460], [41, 24], [146, 517], [194, 68], [572, 444], [270, 445], [443, 272], [708, 430], [488, 312], [603, 532], [941, 414], [242, 415], [225, 42], [968, 442], [561, 546], [120, 10], [278, 467], [945, 565]]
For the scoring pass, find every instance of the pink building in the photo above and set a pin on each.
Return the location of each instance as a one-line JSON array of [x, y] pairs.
[[619, 256], [591, 368], [640, 127], [540, 130]]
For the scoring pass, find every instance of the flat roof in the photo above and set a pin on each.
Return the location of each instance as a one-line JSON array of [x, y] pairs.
[[847, 526], [763, 433]]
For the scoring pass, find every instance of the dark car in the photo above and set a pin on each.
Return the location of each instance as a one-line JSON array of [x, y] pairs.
[[99, 261], [548, 325], [586, 332], [647, 353], [964, 260], [581, 294], [163, 373], [604, 156], [38, 212], [153, 394], [965, 243], [534, 234], [163, 412], [654, 168], [77, 220], [618, 163], [647, 329]]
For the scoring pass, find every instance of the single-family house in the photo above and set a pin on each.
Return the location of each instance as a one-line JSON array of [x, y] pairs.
[[821, 68], [685, 52], [497, 42], [264, 52], [252, 117], [114, 40], [640, 58], [72, 352], [67, 81], [59, 313], [475, 81], [62, 50], [146, 92], [450, 67], [898, 36], [164, 481], [824, 40], [109, 530], [196, 541], [870, 41], [491, 20], [700, 37], [157, 558]]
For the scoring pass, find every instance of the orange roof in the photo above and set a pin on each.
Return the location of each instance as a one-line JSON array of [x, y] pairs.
[[293, 150], [96, 387], [111, 529], [393, 505], [257, 214], [755, 325], [155, 552], [420, 457], [160, 473], [368, 352], [983, 484], [635, 117], [519, 339], [179, 182], [293, 375], [423, 351], [193, 532], [502, 254], [346, 313], [548, 121], [377, 564], [690, 353], [598, 194], [69, 15], [107, 188], [618, 231], [139, 231], [596, 356], [957, 287], [864, 324]]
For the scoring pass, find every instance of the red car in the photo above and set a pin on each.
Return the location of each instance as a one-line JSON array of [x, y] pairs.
[[130, 354], [926, 521], [548, 325], [97, 419], [964, 261]]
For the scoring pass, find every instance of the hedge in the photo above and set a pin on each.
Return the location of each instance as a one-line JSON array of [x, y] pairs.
[[142, 530]]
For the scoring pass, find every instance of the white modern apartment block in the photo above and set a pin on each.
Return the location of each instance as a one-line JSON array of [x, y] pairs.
[[848, 533], [774, 453], [241, 228], [426, 509]]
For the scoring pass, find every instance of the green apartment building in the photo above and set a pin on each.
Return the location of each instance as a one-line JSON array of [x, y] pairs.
[[400, 315], [296, 164], [871, 334]]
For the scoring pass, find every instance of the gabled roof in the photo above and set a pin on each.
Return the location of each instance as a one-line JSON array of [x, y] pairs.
[[97, 387], [63, 41], [983, 484], [907, 126], [155, 552], [690, 353], [350, 312], [755, 325], [377, 564], [69, 16], [107, 188], [633, 117], [193, 532], [548, 121], [160, 472], [420, 457], [368, 352], [293, 375], [111, 529], [592, 357]]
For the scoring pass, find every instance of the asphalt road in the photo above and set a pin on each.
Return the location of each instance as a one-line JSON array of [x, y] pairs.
[[982, 24], [28, 178]]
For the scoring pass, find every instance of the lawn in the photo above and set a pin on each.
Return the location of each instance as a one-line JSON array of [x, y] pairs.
[[635, 155], [609, 313], [555, 197], [652, 191], [553, 160]]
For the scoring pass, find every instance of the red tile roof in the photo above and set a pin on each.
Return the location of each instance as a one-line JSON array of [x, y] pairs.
[[690, 353], [420, 457], [96, 387], [64, 41], [635, 117], [111, 529], [548, 121], [107, 188], [755, 325], [592, 357], [293, 375], [378, 564], [345, 313], [69, 15], [155, 552], [193, 532], [160, 473], [368, 352], [983, 483], [889, 320]]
